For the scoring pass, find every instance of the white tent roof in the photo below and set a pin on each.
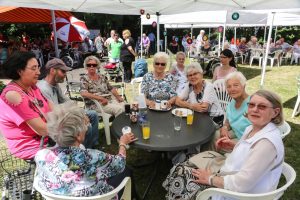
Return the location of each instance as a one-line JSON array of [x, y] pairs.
[[132, 7], [219, 18]]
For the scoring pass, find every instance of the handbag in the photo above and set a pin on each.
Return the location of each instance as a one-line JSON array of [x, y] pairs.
[[209, 160]]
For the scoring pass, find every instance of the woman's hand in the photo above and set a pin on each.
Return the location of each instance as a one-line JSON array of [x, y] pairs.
[[224, 132], [200, 107], [127, 138], [151, 104], [201, 176], [225, 143], [103, 101]]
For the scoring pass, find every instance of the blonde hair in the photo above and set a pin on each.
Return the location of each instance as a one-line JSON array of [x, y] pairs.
[[127, 33]]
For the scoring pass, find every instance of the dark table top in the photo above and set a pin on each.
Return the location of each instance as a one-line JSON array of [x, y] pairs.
[[163, 136]]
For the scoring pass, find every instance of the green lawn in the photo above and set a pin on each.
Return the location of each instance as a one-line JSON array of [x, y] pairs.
[[280, 80]]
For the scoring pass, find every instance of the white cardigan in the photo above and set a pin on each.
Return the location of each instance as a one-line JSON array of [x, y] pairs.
[[255, 168]]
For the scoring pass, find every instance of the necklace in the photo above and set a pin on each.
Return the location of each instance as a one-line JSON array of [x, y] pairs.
[[30, 94]]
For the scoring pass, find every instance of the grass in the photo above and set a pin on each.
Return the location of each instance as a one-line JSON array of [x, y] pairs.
[[281, 80]]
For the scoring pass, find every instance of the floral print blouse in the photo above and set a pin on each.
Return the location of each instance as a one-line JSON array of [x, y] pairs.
[[99, 87], [155, 89], [75, 171]]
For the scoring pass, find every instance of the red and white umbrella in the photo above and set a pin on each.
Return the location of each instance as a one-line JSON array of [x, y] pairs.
[[71, 30]]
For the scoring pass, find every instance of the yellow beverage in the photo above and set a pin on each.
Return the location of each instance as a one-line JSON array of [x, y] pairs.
[[189, 119], [146, 132]]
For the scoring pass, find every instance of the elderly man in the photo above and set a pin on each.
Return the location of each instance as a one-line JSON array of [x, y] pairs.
[[56, 73]]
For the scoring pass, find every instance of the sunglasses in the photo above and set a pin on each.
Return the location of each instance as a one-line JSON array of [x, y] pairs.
[[193, 74], [161, 64], [259, 106], [92, 65]]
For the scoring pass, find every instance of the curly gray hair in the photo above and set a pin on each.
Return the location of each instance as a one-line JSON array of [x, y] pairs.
[[65, 122]]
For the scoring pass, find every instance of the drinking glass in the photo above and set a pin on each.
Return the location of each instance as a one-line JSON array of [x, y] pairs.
[[190, 117], [146, 130]]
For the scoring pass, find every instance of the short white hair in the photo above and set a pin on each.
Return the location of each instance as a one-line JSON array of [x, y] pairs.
[[194, 66], [65, 122], [161, 55], [236, 75], [87, 59]]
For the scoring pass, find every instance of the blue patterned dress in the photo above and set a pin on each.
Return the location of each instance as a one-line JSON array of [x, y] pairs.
[[163, 89], [74, 171]]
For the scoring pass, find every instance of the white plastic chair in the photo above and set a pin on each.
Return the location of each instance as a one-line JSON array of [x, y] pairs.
[[286, 57], [296, 108], [276, 57], [288, 172], [285, 129], [220, 89], [126, 184], [139, 82], [256, 54], [105, 118]]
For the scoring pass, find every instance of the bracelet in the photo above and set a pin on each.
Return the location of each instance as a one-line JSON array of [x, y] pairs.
[[124, 145], [210, 179]]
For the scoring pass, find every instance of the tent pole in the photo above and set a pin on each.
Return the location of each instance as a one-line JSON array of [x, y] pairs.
[[191, 31], [166, 38], [265, 33], [55, 34], [223, 41], [266, 53], [234, 36], [275, 34], [158, 34], [141, 43], [209, 33], [219, 44]]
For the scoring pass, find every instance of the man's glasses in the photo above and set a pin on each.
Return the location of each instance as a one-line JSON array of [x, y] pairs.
[[161, 64], [259, 106], [92, 65], [193, 74]]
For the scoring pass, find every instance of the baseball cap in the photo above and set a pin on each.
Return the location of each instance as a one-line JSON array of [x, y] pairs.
[[57, 63]]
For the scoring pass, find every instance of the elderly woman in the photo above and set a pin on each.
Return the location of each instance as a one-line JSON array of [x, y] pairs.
[[227, 65], [159, 84], [96, 86], [236, 122], [261, 143], [127, 54], [23, 106], [199, 95], [179, 73], [70, 169]]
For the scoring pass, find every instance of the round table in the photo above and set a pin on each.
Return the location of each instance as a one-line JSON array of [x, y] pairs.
[[163, 136]]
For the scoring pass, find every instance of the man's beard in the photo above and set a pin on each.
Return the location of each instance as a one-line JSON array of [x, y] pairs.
[[59, 80]]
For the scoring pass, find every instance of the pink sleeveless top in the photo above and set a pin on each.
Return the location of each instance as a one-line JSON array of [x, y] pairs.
[[21, 140]]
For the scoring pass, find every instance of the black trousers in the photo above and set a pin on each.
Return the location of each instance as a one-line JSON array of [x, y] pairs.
[[127, 71]]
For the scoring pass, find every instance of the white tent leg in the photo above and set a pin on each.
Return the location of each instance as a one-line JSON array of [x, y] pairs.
[[266, 53], [141, 39], [158, 33]]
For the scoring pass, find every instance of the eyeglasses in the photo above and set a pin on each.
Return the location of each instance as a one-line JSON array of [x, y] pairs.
[[92, 65], [193, 74], [161, 64], [259, 106], [223, 57], [34, 68]]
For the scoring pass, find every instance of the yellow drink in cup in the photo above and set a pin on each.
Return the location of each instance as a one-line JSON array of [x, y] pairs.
[[190, 118], [146, 130]]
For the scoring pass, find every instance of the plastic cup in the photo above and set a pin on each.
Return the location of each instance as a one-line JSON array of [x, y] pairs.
[[190, 118], [146, 130], [177, 123]]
